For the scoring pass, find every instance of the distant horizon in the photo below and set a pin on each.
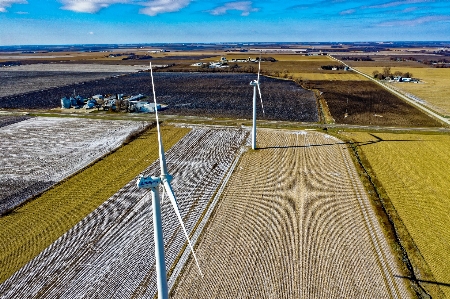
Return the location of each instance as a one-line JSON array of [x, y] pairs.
[[231, 43], [63, 22]]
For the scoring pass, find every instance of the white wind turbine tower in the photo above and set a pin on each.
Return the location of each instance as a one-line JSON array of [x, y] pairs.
[[255, 84], [153, 183]]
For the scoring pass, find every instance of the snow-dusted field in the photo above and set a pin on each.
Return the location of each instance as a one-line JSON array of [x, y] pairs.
[[6, 120], [39, 152], [110, 253]]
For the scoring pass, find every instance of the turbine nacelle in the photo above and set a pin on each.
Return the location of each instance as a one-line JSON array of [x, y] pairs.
[[148, 182], [254, 83]]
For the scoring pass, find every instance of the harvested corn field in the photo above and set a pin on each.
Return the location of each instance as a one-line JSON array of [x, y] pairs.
[[414, 172], [293, 222], [39, 152], [110, 253]]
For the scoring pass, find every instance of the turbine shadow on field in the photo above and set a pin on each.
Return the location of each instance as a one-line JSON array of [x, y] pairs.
[[424, 281], [379, 139]]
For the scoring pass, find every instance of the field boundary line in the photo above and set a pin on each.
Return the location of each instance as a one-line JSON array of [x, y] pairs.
[[203, 222]]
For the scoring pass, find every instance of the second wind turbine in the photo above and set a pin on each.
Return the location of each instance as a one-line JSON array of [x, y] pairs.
[[255, 84]]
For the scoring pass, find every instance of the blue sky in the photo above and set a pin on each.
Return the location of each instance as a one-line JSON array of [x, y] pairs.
[[155, 21]]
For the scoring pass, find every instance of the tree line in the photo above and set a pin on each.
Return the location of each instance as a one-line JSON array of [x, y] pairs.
[[386, 73]]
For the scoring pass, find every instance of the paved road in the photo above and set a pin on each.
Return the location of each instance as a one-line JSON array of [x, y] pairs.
[[403, 97]]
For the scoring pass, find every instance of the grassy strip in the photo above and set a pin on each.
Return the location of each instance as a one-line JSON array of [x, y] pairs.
[[324, 111], [34, 226], [411, 261]]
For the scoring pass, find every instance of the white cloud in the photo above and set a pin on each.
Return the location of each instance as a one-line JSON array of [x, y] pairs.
[[89, 6], [7, 3], [398, 3], [244, 6], [152, 8], [415, 22], [91, 32], [347, 12]]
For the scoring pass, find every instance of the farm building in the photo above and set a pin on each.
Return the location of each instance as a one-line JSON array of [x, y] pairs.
[[198, 64], [144, 107], [75, 102]]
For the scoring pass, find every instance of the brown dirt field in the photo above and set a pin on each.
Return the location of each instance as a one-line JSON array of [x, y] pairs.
[[369, 104], [293, 222]]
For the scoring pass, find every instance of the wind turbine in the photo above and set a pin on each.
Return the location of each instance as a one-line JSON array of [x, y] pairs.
[[255, 84], [153, 183]]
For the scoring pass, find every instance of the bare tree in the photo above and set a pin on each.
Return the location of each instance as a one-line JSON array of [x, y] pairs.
[[386, 72]]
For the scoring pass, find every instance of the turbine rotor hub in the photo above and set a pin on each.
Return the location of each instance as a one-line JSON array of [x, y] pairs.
[[166, 177]]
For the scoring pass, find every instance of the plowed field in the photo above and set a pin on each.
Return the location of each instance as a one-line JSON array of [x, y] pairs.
[[110, 253], [366, 103], [201, 94], [293, 222]]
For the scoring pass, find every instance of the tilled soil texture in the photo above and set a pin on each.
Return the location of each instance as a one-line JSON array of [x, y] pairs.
[[110, 253], [293, 222], [9, 120], [214, 95], [366, 103]]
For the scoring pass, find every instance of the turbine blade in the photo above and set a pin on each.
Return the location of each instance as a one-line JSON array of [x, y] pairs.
[[163, 195], [259, 65], [259, 68], [162, 157], [259, 90], [177, 211]]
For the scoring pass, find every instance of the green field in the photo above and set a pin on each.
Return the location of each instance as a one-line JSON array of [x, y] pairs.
[[414, 174], [29, 229]]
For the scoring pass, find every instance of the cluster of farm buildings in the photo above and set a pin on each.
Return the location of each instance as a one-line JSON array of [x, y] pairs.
[[402, 79], [115, 102], [223, 63]]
